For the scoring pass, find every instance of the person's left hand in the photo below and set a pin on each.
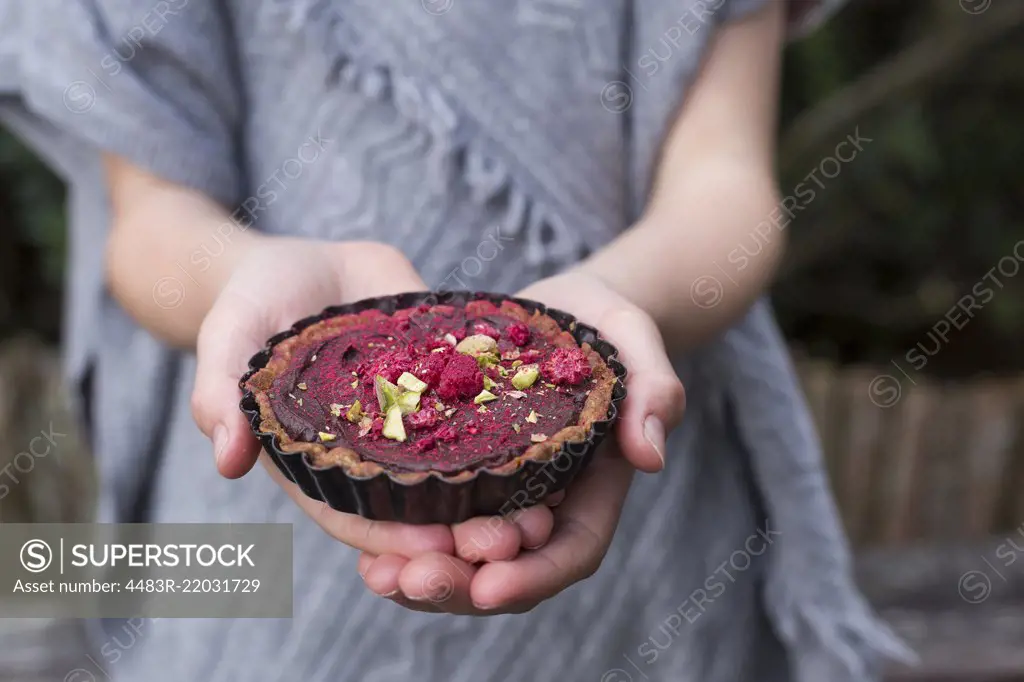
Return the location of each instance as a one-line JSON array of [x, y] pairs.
[[585, 521]]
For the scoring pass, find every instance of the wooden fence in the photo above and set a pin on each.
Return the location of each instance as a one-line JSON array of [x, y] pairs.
[[912, 460]]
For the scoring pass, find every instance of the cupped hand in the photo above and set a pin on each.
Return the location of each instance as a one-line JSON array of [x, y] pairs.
[[276, 282], [469, 582]]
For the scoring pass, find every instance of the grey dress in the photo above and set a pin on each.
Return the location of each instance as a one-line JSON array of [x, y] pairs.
[[407, 123]]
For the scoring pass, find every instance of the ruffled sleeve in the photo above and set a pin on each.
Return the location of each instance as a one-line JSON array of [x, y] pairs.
[[155, 83]]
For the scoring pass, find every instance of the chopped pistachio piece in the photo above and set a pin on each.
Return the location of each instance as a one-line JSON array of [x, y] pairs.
[[538, 437], [516, 363], [302, 385], [515, 394], [489, 383], [525, 376], [411, 382], [484, 396], [486, 360], [336, 409], [324, 436], [387, 392], [409, 402], [532, 417], [355, 384], [482, 408], [450, 338], [299, 402], [516, 428], [394, 429], [355, 413], [449, 412], [550, 385], [503, 371], [439, 406], [477, 345]]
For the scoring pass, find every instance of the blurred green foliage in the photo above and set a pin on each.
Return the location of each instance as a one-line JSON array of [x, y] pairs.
[[887, 247], [32, 256], [930, 206]]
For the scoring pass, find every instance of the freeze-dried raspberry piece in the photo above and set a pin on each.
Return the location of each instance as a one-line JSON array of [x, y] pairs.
[[389, 364], [446, 434], [566, 366], [461, 378], [431, 368], [424, 444], [423, 419], [530, 356], [518, 333], [486, 330]]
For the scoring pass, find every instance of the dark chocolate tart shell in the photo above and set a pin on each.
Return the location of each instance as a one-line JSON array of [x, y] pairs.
[[434, 500]]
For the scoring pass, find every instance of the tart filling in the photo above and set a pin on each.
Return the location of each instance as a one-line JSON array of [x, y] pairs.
[[448, 389]]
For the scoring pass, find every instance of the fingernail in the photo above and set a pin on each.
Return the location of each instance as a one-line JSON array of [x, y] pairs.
[[391, 594], [220, 441], [362, 574], [654, 432]]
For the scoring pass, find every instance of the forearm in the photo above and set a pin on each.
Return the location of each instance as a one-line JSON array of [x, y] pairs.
[[696, 263], [714, 194], [169, 252]]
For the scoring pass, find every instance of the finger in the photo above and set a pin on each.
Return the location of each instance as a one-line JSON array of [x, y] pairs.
[[225, 343], [655, 400], [487, 538], [375, 537], [365, 559], [535, 524], [584, 526], [440, 580], [406, 603], [381, 575]]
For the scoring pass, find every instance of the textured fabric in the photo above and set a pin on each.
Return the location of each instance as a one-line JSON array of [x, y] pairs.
[[490, 143]]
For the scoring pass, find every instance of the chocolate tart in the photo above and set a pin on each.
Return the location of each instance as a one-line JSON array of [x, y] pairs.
[[433, 407]]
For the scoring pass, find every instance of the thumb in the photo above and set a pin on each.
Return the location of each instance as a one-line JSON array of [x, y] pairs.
[[655, 397], [226, 341]]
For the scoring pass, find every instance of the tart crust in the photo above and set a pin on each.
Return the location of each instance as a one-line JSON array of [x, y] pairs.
[[320, 456]]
